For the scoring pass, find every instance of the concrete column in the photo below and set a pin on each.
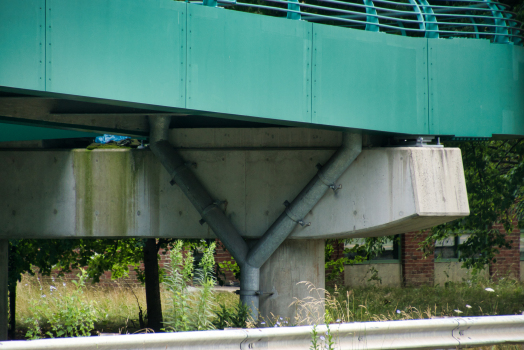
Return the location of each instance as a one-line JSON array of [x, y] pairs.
[[4, 249], [293, 262]]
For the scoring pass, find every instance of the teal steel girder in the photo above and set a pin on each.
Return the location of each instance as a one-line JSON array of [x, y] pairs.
[[17, 132], [212, 61]]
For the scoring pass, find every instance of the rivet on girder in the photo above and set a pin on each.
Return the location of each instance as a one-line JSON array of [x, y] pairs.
[[286, 203]]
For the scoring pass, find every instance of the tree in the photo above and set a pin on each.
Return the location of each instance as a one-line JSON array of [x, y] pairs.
[[371, 247], [494, 173], [116, 255]]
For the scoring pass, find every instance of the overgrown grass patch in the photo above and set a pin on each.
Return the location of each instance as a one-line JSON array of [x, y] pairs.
[[119, 302], [473, 298]]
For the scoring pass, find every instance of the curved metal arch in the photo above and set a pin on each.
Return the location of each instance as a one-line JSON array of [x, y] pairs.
[[431, 20], [402, 30], [371, 21], [294, 6], [500, 21], [420, 17]]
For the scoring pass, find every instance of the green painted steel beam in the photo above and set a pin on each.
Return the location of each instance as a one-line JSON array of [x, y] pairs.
[[210, 61], [16, 132]]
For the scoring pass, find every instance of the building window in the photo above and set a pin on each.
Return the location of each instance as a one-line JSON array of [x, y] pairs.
[[390, 254], [448, 248]]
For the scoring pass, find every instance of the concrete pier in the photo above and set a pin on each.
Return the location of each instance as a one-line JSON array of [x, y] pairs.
[[283, 280]]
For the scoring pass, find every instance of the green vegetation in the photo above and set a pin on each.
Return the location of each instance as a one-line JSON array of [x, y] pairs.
[[494, 174], [477, 297], [190, 309], [117, 310], [117, 306], [62, 314], [50, 309]]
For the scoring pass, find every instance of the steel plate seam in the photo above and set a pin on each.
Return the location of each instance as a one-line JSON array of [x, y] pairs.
[[186, 62], [46, 21], [428, 90]]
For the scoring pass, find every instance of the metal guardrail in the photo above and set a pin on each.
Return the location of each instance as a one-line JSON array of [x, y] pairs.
[[443, 333], [486, 19]]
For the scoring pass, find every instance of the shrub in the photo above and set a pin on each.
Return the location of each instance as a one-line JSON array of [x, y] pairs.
[[62, 314]]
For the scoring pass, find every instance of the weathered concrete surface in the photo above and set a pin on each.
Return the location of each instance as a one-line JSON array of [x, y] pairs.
[[108, 193], [389, 191], [452, 271], [294, 262], [390, 275]]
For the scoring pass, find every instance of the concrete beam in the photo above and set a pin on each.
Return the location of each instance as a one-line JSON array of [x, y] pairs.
[[43, 111], [110, 193]]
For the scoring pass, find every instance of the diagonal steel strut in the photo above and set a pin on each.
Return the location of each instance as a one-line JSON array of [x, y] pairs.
[[250, 260]]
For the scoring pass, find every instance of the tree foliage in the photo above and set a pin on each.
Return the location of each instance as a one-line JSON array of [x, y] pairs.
[[370, 248], [494, 173]]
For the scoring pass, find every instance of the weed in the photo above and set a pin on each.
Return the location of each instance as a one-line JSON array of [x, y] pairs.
[[314, 339], [70, 316], [191, 308], [232, 317]]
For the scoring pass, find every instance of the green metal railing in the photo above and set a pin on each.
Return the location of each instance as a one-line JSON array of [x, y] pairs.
[[486, 19]]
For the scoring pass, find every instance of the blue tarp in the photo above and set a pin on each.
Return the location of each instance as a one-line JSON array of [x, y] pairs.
[[108, 138]]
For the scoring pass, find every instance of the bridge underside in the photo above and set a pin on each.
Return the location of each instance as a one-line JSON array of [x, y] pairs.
[[250, 172]]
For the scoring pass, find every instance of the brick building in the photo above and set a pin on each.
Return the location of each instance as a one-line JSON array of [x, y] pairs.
[[403, 264], [412, 268]]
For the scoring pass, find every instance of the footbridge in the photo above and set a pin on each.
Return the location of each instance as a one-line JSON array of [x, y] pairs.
[[280, 123]]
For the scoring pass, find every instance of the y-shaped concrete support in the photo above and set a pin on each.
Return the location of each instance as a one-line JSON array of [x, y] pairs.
[[250, 260]]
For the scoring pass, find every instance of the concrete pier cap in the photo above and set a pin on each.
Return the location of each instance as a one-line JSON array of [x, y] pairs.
[[251, 172]]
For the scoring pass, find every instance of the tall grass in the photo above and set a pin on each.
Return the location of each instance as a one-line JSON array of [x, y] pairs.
[[190, 309], [119, 302], [472, 298], [479, 298]]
